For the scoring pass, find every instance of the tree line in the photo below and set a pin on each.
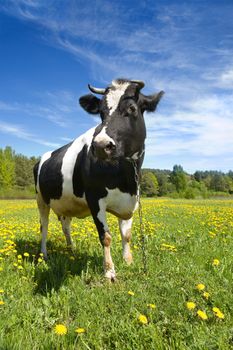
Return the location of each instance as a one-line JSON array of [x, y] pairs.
[[179, 184], [16, 179], [16, 174]]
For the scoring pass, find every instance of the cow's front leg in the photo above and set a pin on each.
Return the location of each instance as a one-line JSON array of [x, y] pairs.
[[125, 229], [98, 210]]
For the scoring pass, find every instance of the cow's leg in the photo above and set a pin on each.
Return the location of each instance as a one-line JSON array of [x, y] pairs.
[[98, 210], [44, 221], [65, 222], [125, 229]]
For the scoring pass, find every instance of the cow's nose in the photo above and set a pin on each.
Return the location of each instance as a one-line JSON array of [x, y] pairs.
[[103, 149]]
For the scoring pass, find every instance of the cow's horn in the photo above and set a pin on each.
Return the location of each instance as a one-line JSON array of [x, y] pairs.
[[139, 82], [96, 90]]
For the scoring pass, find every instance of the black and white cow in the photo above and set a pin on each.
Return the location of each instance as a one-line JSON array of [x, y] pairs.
[[95, 173]]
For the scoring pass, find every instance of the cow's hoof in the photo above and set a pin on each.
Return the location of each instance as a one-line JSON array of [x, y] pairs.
[[128, 259], [110, 275]]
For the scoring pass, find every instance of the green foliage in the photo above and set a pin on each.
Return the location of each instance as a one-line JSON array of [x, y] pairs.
[[178, 178], [7, 168], [149, 184], [16, 174]]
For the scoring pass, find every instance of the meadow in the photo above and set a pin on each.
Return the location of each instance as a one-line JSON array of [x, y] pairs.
[[183, 301]]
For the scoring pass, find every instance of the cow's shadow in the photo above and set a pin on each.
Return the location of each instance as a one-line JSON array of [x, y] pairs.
[[61, 265]]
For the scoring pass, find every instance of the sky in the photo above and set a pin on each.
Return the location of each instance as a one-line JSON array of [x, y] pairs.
[[51, 49]]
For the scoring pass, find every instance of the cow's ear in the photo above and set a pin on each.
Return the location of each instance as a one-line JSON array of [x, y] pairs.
[[90, 103], [149, 103]]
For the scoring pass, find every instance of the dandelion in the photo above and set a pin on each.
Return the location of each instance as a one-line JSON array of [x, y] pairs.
[[151, 306], [215, 262], [19, 257], [218, 313], [20, 267], [60, 329], [40, 260], [200, 286], [142, 319], [190, 305], [2, 302], [131, 293], [202, 315], [206, 295], [80, 330], [26, 254], [1, 291]]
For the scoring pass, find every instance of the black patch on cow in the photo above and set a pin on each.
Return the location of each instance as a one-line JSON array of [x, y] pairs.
[[78, 185], [51, 179], [35, 173]]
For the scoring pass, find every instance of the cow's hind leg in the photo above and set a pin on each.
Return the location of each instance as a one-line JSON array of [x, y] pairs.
[[65, 222], [125, 229], [44, 221]]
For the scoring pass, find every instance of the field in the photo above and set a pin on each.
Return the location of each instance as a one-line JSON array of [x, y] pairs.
[[183, 301]]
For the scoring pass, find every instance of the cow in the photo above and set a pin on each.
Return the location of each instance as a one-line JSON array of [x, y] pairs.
[[98, 171]]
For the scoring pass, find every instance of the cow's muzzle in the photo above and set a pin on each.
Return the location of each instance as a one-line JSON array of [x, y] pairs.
[[103, 150]]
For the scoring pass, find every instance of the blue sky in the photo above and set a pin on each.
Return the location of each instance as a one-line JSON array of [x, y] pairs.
[[50, 50]]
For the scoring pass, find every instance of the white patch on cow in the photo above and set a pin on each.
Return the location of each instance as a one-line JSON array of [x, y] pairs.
[[103, 137], [45, 156], [102, 213], [136, 155], [114, 95], [125, 229], [69, 205], [119, 203], [69, 160]]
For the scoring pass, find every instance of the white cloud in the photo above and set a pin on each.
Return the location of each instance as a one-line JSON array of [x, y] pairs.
[[57, 107], [19, 132]]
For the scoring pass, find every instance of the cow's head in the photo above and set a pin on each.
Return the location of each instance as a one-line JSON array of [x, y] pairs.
[[122, 132]]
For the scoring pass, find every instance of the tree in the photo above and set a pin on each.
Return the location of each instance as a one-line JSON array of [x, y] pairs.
[[149, 184], [7, 167], [218, 183], [178, 178]]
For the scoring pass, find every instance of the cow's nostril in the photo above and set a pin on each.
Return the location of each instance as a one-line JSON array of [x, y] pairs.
[[110, 147]]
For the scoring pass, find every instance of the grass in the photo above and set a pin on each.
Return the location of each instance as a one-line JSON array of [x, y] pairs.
[[184, 238]]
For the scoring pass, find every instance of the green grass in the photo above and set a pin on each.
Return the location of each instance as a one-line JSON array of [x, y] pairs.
[[71, 290]]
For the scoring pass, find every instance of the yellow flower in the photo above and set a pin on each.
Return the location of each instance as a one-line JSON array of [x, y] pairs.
[[1, 291], [26, 254], [206, 295], [215, 262], [202, 315], [218, 313], [2, 302], [20, 267], [151, 306], [60, 329], [190, 305], [131, 293], [200, 286], [19, 256], [80, 330], [142, 319], [40, 260]]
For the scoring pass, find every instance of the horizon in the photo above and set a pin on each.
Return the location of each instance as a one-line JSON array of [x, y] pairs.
[[49, 57]]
